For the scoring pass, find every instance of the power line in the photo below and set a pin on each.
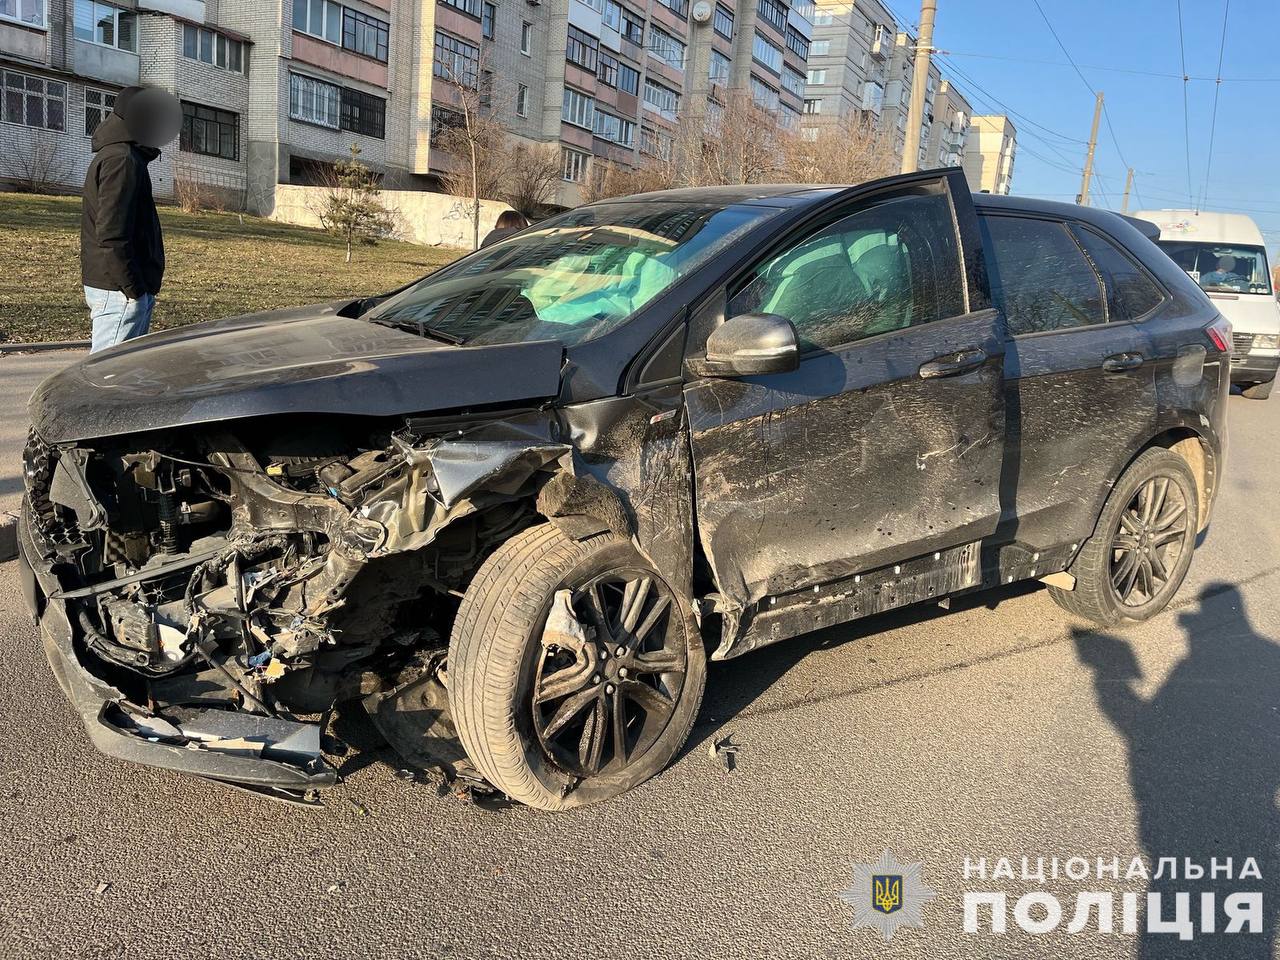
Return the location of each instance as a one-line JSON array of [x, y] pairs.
[[1213, 123], [1063, 47], [1186, 110], [1095, 66]]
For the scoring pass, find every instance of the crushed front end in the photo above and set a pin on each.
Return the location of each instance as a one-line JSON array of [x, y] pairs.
[[206, 595]]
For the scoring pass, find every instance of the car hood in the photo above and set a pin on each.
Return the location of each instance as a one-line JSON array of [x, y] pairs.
[[305, 360]]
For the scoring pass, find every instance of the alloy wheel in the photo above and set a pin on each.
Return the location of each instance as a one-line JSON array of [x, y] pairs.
[[601, 699], [1148, 541]]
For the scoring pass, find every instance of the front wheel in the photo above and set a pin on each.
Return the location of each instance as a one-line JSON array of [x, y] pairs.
[[575, 670], [1139, 554]]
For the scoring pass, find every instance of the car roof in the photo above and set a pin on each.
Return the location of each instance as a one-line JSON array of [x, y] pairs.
[[768, 194], [1205, 226]]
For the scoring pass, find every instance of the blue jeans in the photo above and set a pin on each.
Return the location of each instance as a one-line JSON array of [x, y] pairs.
[[116, 318]]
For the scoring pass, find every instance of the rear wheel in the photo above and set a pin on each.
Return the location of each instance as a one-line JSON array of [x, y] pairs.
[[575, 669], [1137, 559], [1258, 391]]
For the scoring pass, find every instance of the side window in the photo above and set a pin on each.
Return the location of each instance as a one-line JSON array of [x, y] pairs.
[[892, 265], [1039, 276], [1130, 292]]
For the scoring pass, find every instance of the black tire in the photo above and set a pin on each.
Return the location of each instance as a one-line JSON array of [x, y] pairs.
[[1258, 391], [1102, 568], [502, 673]]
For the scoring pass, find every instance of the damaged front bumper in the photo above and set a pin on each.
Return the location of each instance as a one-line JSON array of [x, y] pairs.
[[270, 755]]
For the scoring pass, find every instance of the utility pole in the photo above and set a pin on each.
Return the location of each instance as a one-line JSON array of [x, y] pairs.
[[919, 81], [1128, 185], [1083, 199]]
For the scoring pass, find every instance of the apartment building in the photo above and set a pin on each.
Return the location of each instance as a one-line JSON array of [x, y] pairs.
[[853, 44], [988, 161], [949, 131]]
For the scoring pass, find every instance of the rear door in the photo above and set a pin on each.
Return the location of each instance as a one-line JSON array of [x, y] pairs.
[[886, 443], [1080, 368]]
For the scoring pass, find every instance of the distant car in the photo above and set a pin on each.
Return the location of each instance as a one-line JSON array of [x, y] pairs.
[[1226, 255], [506, 504]]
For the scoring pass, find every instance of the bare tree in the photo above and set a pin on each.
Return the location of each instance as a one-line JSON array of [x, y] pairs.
[[532, 179], [734, 142], [837, 150], [42, 169], [476, 140]]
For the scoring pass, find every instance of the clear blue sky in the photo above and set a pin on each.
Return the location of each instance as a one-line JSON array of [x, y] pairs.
[[1145, 111]]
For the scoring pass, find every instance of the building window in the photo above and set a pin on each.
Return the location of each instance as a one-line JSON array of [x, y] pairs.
[[628, 79], [319, 18], [719, 70], [773, 13], [575, 165], [103, 24], [797, 43], [813, 105], [456, 60], [365, 35], [581, 49], [793, 81], [667, 48], [679, 7], [607, 70], [35, 101], [788, 117], [663, 99], [723, 22], [98, 105], [611, 16], [29, 13], [817, 77], [314, 101], [766, 53], [526, 37], [443, 120], [364, 113], [488, 21], [819, 48], [804, 8], [763, 95], [655, 143], [633, 27], [579, 109], [213, 133], [522, 100], [614, 129], [470, 7], [823, 18], [213, 48]]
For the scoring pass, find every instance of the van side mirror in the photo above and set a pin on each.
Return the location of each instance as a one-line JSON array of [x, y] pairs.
[[749, 344]]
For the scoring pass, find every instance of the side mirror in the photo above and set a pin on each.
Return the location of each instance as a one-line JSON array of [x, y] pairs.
[[749, 345]]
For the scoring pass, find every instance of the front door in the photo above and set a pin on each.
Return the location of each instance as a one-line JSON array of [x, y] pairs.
[[886, 443]]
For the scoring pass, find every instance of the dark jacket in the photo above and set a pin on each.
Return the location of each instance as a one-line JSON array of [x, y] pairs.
[[500, 233], [120, 243]]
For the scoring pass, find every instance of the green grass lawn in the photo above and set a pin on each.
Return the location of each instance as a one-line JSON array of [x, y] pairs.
[[219, 265]]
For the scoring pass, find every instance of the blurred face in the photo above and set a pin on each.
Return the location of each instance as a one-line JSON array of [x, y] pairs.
[[1226, 264], [154, 118]]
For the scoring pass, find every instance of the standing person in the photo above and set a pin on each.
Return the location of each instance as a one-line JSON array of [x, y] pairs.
[[121, 249], [509, 222]]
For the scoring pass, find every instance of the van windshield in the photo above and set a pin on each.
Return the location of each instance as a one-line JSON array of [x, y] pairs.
[[1222, 267], [572, 278]]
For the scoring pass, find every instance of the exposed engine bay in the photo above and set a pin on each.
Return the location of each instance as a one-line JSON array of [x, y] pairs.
[[230, 579]]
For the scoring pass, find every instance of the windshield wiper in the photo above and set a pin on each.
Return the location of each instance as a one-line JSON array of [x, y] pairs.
[[422, 330]]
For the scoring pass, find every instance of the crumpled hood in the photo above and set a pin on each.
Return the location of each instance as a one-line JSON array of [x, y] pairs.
[[303, 360]]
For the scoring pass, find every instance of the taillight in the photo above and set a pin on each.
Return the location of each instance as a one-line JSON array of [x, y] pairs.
[[1220, 333]]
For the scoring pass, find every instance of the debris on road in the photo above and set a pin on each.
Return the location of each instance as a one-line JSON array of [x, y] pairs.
[[102, 888], [726, 751]]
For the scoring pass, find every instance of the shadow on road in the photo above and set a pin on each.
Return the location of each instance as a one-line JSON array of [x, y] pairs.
[[1204, 761]]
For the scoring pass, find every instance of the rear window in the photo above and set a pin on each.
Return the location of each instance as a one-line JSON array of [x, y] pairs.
[[1040, 277], [1131, 294], [1221, 267]]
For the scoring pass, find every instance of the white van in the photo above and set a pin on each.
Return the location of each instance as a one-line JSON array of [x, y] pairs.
[[1226, 255]]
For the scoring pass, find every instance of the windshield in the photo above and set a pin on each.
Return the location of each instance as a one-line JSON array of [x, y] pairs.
[[1223, 268], [572, 279]]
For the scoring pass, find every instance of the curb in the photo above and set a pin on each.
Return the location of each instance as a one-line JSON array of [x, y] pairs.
[[8, 537], [45, 345]]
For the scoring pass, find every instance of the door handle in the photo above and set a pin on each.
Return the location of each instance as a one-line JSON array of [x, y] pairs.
[[953, 364], [1121, 362]]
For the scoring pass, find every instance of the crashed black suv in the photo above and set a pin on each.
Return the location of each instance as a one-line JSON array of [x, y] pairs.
[[505, 505]]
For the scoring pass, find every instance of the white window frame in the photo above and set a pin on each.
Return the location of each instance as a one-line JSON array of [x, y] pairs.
[[522, 100], [578, 109], [663, 94], [817, 78], [670, 50], [574, 165], [761, 48], [714, 75], [42, 5], [819, 48], [116, 13], [526, 38], [102, 107], [228, 44], [311, 117], [325, 5]]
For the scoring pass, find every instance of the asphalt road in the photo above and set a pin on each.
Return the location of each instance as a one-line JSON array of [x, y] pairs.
[[1002, 728]]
